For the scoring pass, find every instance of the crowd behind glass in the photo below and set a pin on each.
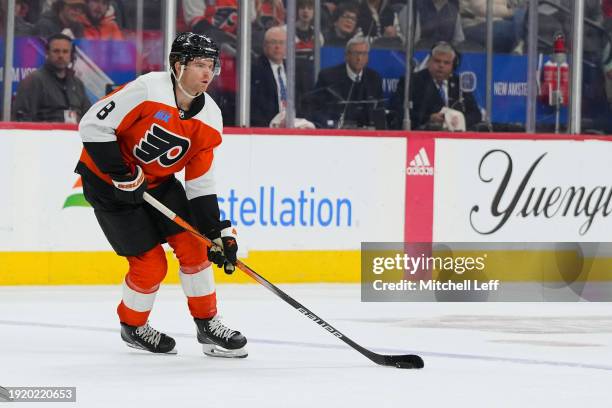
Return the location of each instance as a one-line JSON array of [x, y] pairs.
[[356, 27]]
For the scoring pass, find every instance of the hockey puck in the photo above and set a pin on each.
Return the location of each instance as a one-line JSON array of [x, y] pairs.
[[417, 362]]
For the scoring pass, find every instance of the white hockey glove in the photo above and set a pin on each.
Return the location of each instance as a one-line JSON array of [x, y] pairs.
[[223, 253]]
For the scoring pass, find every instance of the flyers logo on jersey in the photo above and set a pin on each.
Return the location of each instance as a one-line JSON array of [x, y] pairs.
[[160, 145]]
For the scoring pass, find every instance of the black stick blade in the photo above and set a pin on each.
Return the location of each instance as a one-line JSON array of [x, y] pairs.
[[405, 361]]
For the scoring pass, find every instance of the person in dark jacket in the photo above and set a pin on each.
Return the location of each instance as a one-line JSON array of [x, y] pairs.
[[350, 94], [376, 20], [436, 20], [433, 89], [23, 26], [269, 95], [64, 17], [269, 79], [52, 93], [345, 25]]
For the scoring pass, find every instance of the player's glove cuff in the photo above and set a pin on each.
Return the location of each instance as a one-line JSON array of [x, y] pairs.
[[130, 188]]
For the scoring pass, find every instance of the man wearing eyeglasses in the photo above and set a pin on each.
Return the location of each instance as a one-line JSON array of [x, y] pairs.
[[345, 25], [269, 78]]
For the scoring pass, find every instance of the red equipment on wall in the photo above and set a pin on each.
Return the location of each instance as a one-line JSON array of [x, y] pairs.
[[554, 89]]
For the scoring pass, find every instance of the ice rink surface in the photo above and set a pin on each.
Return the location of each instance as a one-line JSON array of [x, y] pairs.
[[476, 354]]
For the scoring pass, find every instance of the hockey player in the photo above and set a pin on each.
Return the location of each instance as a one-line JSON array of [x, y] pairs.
[[135, 140]]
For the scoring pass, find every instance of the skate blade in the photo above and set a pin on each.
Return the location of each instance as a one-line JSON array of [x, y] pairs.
[[212, 350], [137, 347]]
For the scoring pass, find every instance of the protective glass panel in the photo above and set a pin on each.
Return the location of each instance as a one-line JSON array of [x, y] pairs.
[[3, 22], [269, 83], [114, 41], [362, 61], [218, 20], [554, 34], [597, 68]]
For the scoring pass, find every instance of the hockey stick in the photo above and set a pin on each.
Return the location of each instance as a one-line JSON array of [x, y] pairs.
[[399, 361]]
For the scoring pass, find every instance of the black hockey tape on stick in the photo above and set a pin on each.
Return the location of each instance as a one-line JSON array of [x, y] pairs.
[[399, 361]]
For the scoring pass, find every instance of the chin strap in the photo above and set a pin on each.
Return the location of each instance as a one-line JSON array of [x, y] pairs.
[[178, 82]]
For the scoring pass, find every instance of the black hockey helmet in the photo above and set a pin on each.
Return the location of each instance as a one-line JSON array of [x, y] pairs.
[[187, 46]]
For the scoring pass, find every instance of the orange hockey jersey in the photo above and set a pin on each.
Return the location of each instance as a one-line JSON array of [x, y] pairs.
[[150, 131]]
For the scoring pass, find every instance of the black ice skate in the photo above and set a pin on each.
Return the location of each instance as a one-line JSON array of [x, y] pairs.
[[148, 339], [218, 340]]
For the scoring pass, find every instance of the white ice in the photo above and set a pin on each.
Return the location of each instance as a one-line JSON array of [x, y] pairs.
[[476, 355]]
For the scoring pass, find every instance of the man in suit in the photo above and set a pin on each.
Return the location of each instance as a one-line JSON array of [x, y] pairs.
[[269, 83], [349, 94], [433, 89], [269, 79]]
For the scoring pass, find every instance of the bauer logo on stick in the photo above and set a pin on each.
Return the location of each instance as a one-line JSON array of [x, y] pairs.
[[161, 145]]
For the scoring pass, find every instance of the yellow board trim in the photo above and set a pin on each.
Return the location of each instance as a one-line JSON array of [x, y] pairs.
[[91, 268], [102, 268]]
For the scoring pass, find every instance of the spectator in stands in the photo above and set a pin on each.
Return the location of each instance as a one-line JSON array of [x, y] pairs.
[[23, 28], [202, 16], [46, 5], [473, 15], [97, 24], [345, 25], [330, 6], [304, 47], [433, 91], [349, 94], [64, 17], [378, 20], [269, 13], [327, 10], [218, 19], [304, 27], [116, 10], [436, 20], [268, 78], [52, 93]]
